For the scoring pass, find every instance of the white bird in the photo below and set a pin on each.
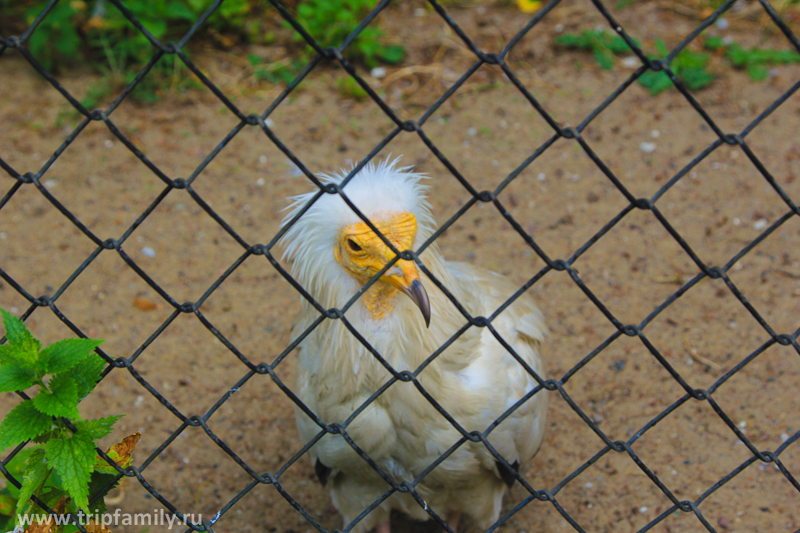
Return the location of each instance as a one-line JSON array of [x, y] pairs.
[[333, 254]]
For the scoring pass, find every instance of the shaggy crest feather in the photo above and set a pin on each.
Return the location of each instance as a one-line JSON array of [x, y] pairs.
[[377, 189]]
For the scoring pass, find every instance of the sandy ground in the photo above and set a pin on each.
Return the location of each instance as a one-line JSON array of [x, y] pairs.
[[486, 130]]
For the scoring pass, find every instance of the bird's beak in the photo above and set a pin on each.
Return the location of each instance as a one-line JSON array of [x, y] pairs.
[[407, 281]]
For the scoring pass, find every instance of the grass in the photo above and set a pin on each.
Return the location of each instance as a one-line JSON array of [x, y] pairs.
[[605, 45], [756, 61], [688, 66], [691, 67], [330, 22], [97, 34]]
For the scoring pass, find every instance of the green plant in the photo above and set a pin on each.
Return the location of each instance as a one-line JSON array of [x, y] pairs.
[[102, 37], [622, 4], [98, 34], [688, 66], [277, 72], [230, 15], [56, 40], [63, 469], [755, 61], [603, 44], [331, 21], [349, 88]]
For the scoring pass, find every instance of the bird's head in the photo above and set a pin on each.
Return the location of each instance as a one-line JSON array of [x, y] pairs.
[[364, 254], [329, 245]]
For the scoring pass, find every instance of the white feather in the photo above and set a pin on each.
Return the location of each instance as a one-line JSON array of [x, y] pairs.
[[475, 379]]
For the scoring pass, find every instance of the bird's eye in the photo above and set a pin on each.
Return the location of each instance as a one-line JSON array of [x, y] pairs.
[[353, 245]]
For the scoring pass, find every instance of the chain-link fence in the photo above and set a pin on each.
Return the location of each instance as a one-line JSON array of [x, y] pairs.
[[27, 179]]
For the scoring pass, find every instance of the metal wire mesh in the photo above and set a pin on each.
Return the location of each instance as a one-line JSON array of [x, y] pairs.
[[22, 179]]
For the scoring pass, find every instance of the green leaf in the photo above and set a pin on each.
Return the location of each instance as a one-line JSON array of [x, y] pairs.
[[392, 54], [714, 42], [22, 423], [16, 466], [757, 72], [655, 81], [786, 56], [756, 55], [56, 37], [604, 44], [7, 523], [7, 505], [87, 373], [102, 466], [97, 429], [14, 377], [36, 471], [618, 45], [199, 6], [691, 60], [99, 487], [737, 55], [349, 88], [604, 57], [25, 347], [571, 40], [46, 436], [67, 353], [662, 48], [231, 9], [61, 399], [51, 495], [6, 353], [179, 10], [697, 78], [68, 42], [157, 28], [622, 4], [72, 458]]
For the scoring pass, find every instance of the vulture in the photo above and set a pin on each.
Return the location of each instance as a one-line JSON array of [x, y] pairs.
[[405, 317]]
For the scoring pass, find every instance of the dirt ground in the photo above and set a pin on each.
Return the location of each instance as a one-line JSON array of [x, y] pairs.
[[486, 129]]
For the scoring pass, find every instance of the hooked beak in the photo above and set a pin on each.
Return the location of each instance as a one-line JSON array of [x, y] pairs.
[[409, 284], [419, 296]]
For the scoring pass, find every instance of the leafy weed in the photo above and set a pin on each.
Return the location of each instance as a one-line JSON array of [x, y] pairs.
[[62, 469]]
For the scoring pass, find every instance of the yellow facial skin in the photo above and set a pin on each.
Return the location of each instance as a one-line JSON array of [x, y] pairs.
[[363, 254]]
